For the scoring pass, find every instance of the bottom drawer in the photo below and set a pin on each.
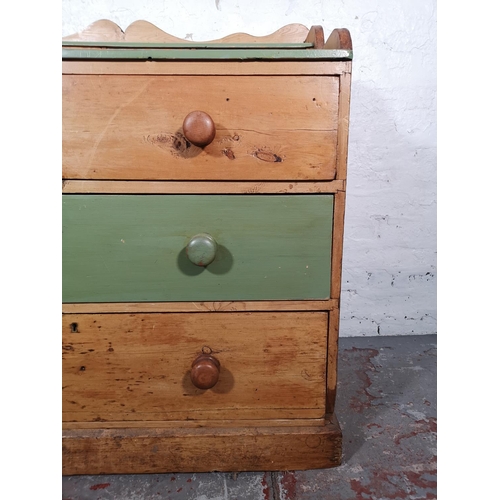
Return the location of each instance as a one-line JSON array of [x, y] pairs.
[[139, 367]]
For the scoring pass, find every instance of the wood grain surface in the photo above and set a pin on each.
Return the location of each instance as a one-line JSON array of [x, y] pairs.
[[200, 187], [139, 451], [196, 307], [276, 128], [194, 424], [234, 68], [137, 366]]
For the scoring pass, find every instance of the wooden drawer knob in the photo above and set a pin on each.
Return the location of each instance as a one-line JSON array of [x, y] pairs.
[[201, 249], [205, 371], [199, 128]]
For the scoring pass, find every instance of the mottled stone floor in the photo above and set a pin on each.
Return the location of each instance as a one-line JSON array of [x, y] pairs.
[[386, 406]]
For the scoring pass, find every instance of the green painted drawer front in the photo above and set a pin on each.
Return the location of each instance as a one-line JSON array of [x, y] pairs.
[[131, 248]]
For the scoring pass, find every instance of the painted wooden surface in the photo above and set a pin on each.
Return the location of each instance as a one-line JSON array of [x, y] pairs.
[[139, 451], [183, 54], [201, 249], [131, 248], [267, 128], [138, 366], [184, 45]]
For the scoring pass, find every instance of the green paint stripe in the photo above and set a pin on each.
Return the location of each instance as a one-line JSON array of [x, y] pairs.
[[189, 45], [132, 248], [207, 54]]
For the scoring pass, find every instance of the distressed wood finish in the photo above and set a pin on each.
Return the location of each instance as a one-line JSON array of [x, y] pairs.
[[344, 111], [138, 366], [332, 356], [195, 424], [291, 68], [233, 306], [267, 128], [334, 315], [280, 105], [338, 244], [176, 187], [140, 451], [130, 248]]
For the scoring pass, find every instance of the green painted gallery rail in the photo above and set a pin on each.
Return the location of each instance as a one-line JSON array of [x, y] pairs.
[[206, 54], [187, 45]]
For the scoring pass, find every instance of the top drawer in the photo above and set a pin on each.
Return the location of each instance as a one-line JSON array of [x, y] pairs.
[[267, 127]]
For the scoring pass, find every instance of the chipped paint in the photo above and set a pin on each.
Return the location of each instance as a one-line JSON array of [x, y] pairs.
[[288, 486], [265, 487], [427, 426], [363, 398]]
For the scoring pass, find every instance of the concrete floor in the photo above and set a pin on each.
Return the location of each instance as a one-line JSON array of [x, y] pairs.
[[386, 406]]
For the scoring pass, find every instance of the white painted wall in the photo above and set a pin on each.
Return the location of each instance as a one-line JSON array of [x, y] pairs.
[[389, 268]]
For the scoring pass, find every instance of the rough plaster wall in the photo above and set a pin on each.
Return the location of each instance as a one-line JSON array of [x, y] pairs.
[[389, 268]]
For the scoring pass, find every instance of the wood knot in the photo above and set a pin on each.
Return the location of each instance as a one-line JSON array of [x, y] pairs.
[[267, 156], [228, 153]]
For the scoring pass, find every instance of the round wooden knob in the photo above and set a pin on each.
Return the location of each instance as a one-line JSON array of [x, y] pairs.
[[201, 249], [205, 371], [199, 128]]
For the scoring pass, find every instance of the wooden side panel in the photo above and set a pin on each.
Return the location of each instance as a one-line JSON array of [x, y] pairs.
[[338, 244], [334, 315], [332, 357], [137, 366], [140, 451], [344, 111], [279, 128], [131, 248]]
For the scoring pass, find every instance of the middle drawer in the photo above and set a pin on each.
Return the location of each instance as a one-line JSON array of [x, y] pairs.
[[132, 248]]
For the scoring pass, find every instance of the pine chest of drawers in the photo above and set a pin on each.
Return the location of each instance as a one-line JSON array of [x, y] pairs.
[[203, 207]]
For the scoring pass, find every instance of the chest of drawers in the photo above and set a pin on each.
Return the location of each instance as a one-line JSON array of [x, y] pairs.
[[203, 208]]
